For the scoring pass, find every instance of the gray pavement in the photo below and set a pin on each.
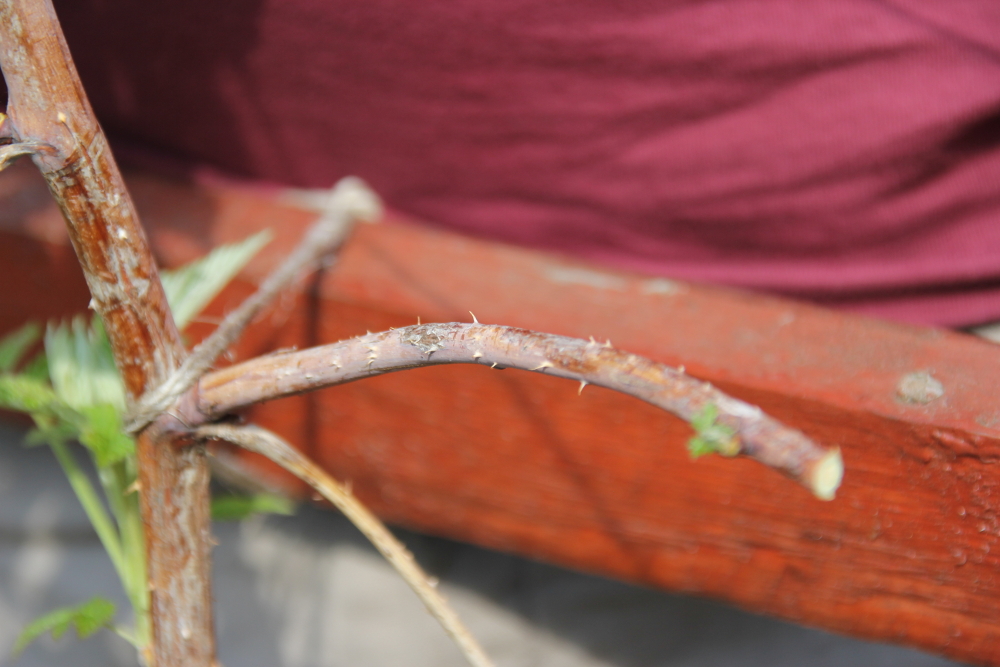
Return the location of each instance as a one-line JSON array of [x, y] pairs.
[[308, 591]]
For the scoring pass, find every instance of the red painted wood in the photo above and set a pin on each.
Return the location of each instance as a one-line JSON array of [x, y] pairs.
[[907, 552]]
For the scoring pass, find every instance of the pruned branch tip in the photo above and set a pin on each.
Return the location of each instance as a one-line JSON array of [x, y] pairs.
[[759, 436]]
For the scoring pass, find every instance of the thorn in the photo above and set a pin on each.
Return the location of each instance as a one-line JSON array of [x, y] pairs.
[[544, 364], [335, 362], [418, 320], [368, 332], [607, 343], [175, 416], [494, 365], [583, 383], [473, 317], [92, 305], [477, 354], [133, 487], [594, 342], [61, 117]]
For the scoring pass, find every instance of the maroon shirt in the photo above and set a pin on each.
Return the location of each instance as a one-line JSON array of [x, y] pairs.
[[844, 151]]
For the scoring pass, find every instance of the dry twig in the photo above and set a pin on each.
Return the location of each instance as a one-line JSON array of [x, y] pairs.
[[278, 375], [270, 445], [350, 200]]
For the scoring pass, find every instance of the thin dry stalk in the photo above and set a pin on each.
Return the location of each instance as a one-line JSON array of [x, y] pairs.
[[350, 200], [288, 373], [270, 445]]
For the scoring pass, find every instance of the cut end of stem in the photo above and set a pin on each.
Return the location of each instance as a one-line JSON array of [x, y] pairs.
[[352, 195], [825, 477]]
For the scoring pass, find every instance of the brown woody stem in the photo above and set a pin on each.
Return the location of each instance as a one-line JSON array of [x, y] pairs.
[[270, 445], [49, 113], [284, 374]]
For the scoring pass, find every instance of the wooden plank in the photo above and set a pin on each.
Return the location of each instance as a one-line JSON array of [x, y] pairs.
[[907, 552]]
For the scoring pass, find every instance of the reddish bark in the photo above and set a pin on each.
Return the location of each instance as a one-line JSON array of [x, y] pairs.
[[47, 106]]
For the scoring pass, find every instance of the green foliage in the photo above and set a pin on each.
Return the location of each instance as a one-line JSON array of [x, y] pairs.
[[37, 368], [81, 365], [192, 287], [88, 618], [73, 392], [710, 436], [24, 393], [14, 345], [102, 435], [236, 507]]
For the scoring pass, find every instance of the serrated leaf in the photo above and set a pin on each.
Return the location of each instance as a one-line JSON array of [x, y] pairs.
[[24, 393], [37, 368], [81, 365], [193, 286], [93, 615], [88, 618], [15, 344], [55, 622], [102, 434], [235, 508]]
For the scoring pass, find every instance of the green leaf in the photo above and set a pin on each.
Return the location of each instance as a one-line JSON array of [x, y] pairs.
[[102, 434], [24, 393], [710, 436], [15, 344], [193, 286], [234, 507], [699, 446], [88, 618], [94, 615], [81, 365], [706, 418], [37, 368], [51, 432]]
